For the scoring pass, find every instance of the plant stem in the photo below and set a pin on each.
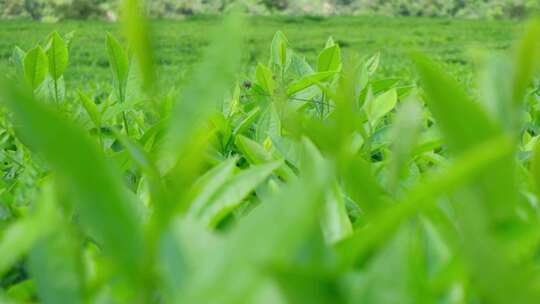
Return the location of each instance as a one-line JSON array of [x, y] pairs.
[[125, 123], [122, 100], [56, 99]]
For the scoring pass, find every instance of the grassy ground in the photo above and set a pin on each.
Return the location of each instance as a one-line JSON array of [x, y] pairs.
[[180, 43]]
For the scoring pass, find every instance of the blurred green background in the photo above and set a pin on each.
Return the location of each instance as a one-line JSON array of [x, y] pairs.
[[179, 44]]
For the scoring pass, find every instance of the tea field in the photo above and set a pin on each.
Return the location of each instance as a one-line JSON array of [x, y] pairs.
[[180, 43], [270, 160]]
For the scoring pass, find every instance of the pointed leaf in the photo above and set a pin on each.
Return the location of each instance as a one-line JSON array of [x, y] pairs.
[[35, 66], [265, 78], [329, 59], [379, 106], [57, 53]]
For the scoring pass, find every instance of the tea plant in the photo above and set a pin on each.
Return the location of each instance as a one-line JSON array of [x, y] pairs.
[[305, 184]]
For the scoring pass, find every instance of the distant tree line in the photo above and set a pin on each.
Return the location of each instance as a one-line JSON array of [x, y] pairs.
[[51, 10]]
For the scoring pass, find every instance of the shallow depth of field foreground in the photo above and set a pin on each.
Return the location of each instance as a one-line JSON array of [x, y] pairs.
[[254, 166]]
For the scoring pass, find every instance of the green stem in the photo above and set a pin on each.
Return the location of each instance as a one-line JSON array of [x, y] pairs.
[[56, 99], [122, 99], [125, 123]]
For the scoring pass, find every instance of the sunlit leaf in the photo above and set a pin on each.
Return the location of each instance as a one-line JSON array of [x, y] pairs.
[[57, 52], [35, 66]]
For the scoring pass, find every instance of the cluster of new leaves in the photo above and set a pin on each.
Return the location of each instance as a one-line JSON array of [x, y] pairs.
[[307, 184]]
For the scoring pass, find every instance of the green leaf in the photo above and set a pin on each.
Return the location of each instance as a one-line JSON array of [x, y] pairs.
[[247, 121], [22, 292], [466, 168], [288, 148], [18, 238], [58, 256], [265, 78], [397, 273], [35, 66], [57, 52], [300, 66], [98, 193], [329, 42], [335, 222], [379, 106], [308, 81], [233, 193], [118, 59], [91, 109], [405, 132], [207, 185], [526, 62], [253, 151], [269, 124], [256, 154], [329, 59], [137, 31], [535, 168], [200, 95], [279, 54], [466, 125], [373, 63], [259, 240], [463, 122], [17, 58]]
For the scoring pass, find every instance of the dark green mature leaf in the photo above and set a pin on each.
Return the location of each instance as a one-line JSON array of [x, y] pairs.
[[35, 66], [57, 53], [98, 193]]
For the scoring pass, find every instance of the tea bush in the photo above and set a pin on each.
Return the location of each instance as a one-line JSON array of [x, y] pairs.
[[306, 184]]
